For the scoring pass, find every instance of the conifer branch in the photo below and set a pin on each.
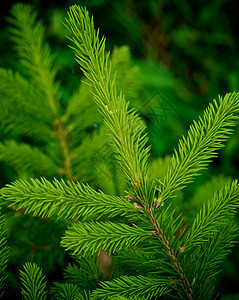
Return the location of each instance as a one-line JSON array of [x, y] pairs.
[[203, 262], [202, 143], [89, 237], [213, 214], [166, 244], [66, 200], [171, 253], [33, 284], [28, 36], [126, 127], [66, 291], [144, 287], [94, 63]]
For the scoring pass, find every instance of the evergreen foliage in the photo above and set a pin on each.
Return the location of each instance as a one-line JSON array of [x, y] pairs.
[[66, 291], [204, 140], [64, 199], [154, 252], [33, 284], [57, 133], [145, 287], [85, 273], [51, 137]]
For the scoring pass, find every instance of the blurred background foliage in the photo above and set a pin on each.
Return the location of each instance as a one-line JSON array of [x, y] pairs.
[[186, 53]]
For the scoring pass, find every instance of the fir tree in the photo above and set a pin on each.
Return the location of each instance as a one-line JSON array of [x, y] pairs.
[[155, 252]]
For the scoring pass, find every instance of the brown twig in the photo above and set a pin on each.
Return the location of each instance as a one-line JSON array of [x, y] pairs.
[[173, 256], [61, 134], [163, 239]]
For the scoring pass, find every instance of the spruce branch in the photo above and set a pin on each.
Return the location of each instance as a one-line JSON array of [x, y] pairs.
[[213, 214], [126, 127], [39, 97], [203, 263], [173, 255], [33, 284], [67, 291], [144, 287], [126, 80], [164, 224], [66, 200], [90, 237], [202, 143], [28, 35]]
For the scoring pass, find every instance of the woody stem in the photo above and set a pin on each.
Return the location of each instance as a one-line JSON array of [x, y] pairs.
[[61, 133], [173, 257]]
